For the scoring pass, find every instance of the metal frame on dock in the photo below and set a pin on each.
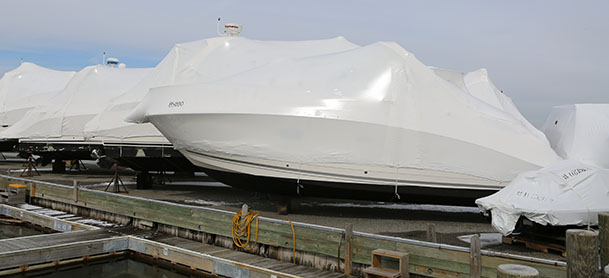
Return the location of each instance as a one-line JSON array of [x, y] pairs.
[[426, 258]]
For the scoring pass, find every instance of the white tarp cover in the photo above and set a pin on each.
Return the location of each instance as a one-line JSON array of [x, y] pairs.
[[24, 87], [565, 193], [580, 132], [200, 61], [85, 95], [478, 84], [393, 111]]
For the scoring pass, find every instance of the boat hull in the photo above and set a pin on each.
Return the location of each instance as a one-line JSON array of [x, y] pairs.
[[325, 189], [336, 158], [335, 182]]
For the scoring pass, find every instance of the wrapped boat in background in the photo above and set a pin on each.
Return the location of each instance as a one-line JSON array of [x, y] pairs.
[[22, 89], [55, 129]]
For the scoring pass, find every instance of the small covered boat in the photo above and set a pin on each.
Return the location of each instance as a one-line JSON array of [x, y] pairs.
[[562, 194], [22, 89]]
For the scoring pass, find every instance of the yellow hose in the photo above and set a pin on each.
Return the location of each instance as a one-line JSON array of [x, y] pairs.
[[241, 228], [293, 241]]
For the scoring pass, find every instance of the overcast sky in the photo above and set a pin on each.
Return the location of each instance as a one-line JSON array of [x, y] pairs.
[[540, 53]]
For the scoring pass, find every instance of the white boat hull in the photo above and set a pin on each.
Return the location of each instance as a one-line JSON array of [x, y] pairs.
[[379, 158]]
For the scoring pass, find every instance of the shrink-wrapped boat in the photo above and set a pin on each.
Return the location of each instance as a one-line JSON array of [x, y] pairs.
[[369, 122], [143, 147], [61, 120], [22, 89]]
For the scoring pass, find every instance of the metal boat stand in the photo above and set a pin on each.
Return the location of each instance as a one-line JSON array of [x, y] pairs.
[[77, 165], [116, 182], [29, 169]]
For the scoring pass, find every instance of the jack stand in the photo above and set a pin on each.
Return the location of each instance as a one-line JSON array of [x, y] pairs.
[[77, 165], [3, 157], [31, 165], [116, 182]]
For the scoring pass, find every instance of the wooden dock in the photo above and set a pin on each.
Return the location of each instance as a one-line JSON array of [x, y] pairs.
[[36, 252], [254, 260], [67, 246], [57, 221], [315, 245]]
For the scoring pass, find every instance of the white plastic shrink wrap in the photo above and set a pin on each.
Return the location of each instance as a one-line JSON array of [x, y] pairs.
[[565, 193], [580, 132]]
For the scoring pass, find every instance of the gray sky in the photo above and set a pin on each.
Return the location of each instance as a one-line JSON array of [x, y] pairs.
[[540, 53]]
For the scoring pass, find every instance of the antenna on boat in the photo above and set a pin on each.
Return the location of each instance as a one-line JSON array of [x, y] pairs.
[[218, 28], [104, 58], [21, 60], [230, 29]]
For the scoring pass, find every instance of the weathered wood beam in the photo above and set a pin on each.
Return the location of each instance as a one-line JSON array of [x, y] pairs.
[[475, 258], [582, 253], [603, 236], [348, 248], [61, 252], [43, 220]]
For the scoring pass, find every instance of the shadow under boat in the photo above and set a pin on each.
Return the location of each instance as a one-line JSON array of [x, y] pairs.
[[143, 158], [291, 188]]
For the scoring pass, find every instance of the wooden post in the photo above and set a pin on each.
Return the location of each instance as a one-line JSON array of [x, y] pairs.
[[603, 236], [405, 266], [244, 210], [475, 258], [16, 194], [348, 248], [516, 270], [75, 190], [431, 233], [32, 189], [582, 253]]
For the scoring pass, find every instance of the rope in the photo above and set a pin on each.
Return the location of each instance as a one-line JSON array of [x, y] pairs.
[[340, 244], [293, 241], [242, 228]]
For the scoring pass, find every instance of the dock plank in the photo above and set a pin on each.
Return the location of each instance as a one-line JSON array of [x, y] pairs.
[[242, 257], [303, 271], [282, 267], [23, 243], [190, 244]]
